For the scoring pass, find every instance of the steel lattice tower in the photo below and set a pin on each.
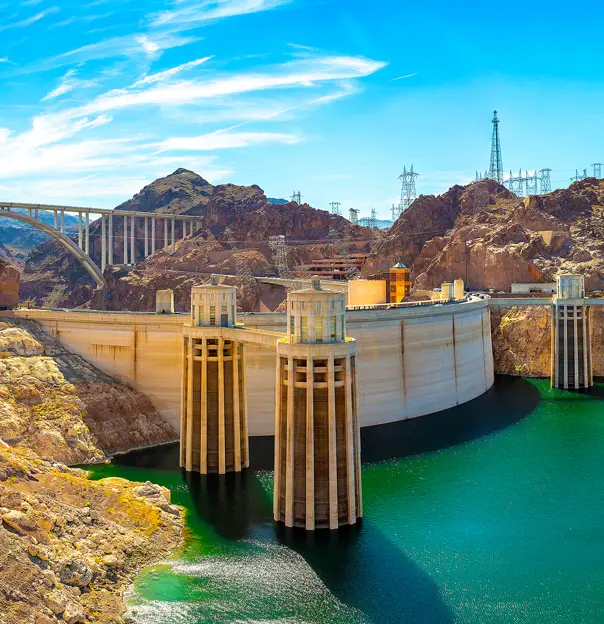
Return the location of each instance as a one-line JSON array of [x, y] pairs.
[[578, 176], [598, 170], [335, 208], [496, 168], [297, 197], [408, 190], [279, 249], [546, 182], [531, 182], [354, 216], [372, 221]]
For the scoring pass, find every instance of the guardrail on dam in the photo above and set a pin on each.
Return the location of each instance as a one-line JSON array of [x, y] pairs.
[[411, 361]]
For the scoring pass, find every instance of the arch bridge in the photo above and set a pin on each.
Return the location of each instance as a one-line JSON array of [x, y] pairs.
[[80, 246]]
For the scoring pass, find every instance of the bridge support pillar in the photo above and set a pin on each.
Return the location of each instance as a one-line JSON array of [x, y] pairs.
[[152, 235], [146, 236], [62, 222], [165, 233], [213, 405], [572, 366], [110, 251], [103, 243], [173, 235], [125, 239], [87, 249], [317, 436], [80, 230], [132, 245]]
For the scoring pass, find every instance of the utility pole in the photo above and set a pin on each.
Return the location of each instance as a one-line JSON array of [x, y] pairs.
[[496, 167], [354, 216], [408, 190], [297, 197], [597, 170], [546, 182], [335, 208]]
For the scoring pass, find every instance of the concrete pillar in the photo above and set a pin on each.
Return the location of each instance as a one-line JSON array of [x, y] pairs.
[[87, 233], [153, 235], [110, 253], [316, 399], [80, 230], [132, 245], [62, 222], [146, 236], [164, 301], [173, 234], [214, 408], [184, 228], [55, 219], [165, 233], [103, 243], [125, 239]]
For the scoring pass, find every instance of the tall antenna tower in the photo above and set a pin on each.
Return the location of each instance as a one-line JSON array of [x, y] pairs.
[[354, 216], [296, 197], [335, 208], [531, 182], [597, 170], [496, 168], [279, 249], [408, 190], [546, 181], [372, 221]]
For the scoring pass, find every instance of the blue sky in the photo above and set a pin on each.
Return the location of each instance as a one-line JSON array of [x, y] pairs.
[[333, 98]]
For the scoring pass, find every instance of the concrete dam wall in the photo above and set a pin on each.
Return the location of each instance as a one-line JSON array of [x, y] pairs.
[[411, 361]]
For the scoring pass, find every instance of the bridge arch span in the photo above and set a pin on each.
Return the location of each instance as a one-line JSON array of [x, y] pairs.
[[63, 240]]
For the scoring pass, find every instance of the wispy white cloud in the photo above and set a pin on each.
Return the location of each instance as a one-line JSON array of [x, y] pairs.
[[28, 21], [193, 13], [5, 59], [403, 77], [82, 18], [226, 140], [169, 73]]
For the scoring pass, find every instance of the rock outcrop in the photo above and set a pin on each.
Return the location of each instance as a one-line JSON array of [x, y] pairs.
[[9, 285], [522, 340], [70, 545], [496, 241], [55, 402]]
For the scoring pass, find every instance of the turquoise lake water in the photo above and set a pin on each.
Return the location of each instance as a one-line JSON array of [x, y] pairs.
[[489, 512]]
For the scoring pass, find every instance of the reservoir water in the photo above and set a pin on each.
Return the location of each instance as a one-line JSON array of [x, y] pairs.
[[489, 512]]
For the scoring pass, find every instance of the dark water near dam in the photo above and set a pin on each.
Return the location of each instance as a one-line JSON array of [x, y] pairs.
[[489, 512]]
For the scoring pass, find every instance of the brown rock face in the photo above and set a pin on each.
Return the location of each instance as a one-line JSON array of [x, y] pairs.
[[521, 340], [9, 286], [509, 240], [69, 545], [57, 403]]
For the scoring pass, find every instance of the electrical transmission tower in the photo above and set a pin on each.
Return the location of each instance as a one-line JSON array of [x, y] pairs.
[[531, 183], [408, 190], [279, 249], [517, 184], [496, 167], [546, 181], [597, 170], [372, 221], [578, 176], [297, 197], [354, 216], [335, 208], [243, 271]]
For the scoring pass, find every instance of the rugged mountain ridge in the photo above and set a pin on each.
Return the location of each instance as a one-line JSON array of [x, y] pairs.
[[503, 239]]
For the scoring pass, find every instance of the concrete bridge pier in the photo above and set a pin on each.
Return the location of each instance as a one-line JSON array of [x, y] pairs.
[[317, 435], [214, 432], [572, 366]]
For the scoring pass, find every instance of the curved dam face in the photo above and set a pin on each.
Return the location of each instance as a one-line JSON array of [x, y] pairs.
[[411, 361]]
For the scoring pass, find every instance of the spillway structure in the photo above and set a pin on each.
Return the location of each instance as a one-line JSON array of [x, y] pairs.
[[213, 431], [317, 436], [572, 366]]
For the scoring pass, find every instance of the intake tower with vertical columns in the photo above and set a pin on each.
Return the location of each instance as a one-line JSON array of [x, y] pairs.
[[213, 433], [317, 439], [571, 335]]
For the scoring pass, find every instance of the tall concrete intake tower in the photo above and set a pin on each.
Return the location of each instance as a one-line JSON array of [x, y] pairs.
[[571, 335], [213, 432], [317, 436]]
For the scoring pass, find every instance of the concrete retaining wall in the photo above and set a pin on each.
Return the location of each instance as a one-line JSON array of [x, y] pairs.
[[411, 361]]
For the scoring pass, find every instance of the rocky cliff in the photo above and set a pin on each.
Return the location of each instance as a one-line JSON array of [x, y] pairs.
[[487, 236], [58, 404], [237, 223], [522, 340], [9, 285], [70, 545]]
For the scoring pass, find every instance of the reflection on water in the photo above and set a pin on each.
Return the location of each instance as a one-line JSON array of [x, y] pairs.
[[465, 525]]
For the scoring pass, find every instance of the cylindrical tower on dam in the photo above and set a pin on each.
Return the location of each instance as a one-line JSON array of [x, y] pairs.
[[213, 432], [572, 366], [317, 436]]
